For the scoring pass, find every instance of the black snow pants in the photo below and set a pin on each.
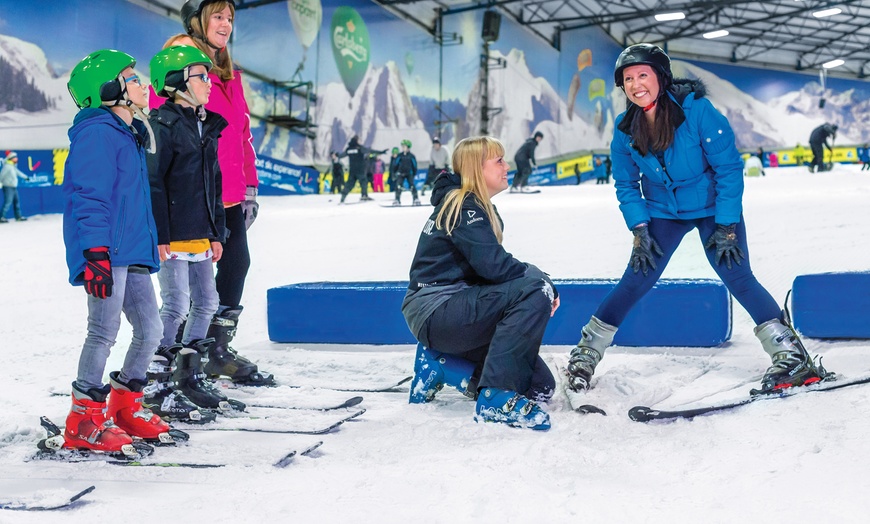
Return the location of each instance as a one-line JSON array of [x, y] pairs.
[[499, 328]]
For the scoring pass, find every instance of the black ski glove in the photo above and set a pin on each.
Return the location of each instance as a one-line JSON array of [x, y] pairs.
[[725, 242], [644, 248]]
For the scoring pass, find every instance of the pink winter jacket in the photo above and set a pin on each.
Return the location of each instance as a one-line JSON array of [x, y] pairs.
[[236, 153]]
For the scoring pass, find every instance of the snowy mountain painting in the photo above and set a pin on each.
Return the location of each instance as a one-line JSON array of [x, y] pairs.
[[383, 111]]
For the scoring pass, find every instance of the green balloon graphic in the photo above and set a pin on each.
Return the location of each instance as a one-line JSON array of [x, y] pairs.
[[350, 46], [409, 62]]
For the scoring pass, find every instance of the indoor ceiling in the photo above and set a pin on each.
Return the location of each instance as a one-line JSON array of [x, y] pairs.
[[774, 34]]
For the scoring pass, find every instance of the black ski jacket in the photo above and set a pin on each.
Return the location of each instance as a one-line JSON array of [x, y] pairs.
[[406, 164], [820, 135], [358, 157], [526, 152], [185, 176], [470, 255]]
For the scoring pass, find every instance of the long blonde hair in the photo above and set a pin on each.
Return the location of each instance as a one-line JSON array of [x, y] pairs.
[[468, 159], [223, 62]]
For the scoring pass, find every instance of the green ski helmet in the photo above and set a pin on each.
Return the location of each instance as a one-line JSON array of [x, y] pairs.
[[406, 143], [395, 151], [97, 78], [171, 67]]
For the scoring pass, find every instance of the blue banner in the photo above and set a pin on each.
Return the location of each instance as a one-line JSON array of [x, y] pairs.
[[282, 178]]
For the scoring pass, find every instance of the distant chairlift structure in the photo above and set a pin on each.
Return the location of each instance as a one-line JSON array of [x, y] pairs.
[[297, 96]]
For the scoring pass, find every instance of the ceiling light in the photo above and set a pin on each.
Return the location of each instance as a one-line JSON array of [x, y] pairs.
[[833, 63], [827, 12], [716, 34], [667, 17]]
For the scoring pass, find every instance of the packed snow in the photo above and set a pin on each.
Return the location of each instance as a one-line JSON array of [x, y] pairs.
[[779, 460]]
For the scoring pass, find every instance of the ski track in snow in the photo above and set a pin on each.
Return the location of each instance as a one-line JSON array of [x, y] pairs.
[[803, 457]]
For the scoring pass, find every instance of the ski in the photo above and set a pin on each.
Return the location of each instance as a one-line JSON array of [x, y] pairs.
[[21, 506], [646, 414], [575, 399], [349, 403], [387, 388], [319, 431], [288, 458], [402, 205]]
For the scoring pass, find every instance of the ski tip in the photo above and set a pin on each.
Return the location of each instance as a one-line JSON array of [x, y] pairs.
[[641, 413], [404, 380], [588, 409], [82, 493], [353, 401]]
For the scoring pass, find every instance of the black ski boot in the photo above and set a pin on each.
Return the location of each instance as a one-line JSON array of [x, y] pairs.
[[223, 361], [162, 396], [192, 381], [791, 364]]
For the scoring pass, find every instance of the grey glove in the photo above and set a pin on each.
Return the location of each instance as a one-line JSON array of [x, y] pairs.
[[644, 248], [250, 207], [724, 239]]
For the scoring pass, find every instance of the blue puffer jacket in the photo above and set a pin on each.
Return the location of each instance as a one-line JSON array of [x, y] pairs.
[[106, 193], [703, 172]]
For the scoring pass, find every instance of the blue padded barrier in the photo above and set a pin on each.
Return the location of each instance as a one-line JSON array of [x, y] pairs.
[[832, 305], [690, 313]]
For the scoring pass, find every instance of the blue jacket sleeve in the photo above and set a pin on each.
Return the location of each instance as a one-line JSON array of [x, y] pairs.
[[626, 179], [717, 141], [93, 161]]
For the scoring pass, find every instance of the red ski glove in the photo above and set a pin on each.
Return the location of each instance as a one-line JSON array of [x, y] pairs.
[[98, 272]]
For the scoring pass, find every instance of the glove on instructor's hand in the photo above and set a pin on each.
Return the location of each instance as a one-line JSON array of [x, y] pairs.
[[725, 242], [644, 248], [98, 272], [250, 207]]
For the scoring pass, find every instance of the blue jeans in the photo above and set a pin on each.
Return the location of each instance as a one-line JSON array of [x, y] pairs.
[[10, 199], [186, 287], [669, 233], [132, 294]]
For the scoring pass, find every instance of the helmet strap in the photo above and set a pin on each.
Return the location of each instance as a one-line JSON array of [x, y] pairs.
[[649, 107], [152, 144]]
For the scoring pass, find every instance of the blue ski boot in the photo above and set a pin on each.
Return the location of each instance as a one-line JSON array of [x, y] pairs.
[[432, 371], [511, 408]]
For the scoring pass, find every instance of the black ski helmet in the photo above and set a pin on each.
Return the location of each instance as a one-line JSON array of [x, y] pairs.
[[648, 54], [193, 8]]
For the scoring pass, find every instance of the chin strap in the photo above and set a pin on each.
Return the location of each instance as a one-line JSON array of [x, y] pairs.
[[649, 107]]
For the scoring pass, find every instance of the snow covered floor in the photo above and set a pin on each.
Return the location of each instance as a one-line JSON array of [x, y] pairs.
[[804, 458]]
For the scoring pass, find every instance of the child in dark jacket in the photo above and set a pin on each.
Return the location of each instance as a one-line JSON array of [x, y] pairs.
[[189, 213], [111, 249], [478, 312]]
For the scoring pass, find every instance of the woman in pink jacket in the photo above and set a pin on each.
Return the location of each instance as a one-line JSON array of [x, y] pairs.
[[209, 24]]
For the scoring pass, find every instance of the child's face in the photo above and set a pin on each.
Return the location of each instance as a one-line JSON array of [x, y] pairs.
[[220, 27], [200, 84], [137, 91]]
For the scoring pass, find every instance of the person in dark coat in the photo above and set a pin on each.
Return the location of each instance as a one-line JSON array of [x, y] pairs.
[[337, 173], [525, 161], [818, 140], [358, 159], [676, 168], [478, 312]]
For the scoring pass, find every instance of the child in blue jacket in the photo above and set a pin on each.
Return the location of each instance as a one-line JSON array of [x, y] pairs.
[[111, 249], [676, 168]]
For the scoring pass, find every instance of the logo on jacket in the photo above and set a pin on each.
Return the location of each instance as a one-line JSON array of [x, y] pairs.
[[471, 214], [428, 227], [471, 218]]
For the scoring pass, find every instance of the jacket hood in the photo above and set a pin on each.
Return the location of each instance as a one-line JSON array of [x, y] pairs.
[[683, 86], [103, 115], [445, 183]]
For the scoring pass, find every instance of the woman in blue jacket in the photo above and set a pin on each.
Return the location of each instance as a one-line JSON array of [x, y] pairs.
[[676, 168], [478, 312]]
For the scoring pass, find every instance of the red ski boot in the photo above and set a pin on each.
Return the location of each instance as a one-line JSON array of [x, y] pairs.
[[125, 408], [87, 426]]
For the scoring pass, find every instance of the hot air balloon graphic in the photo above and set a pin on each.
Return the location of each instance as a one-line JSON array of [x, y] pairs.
[[596, 88], [350, 46], [584, 59], [409, 63], [306, 16]]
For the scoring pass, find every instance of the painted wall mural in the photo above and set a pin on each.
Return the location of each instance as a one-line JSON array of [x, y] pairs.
[[385, 80]]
